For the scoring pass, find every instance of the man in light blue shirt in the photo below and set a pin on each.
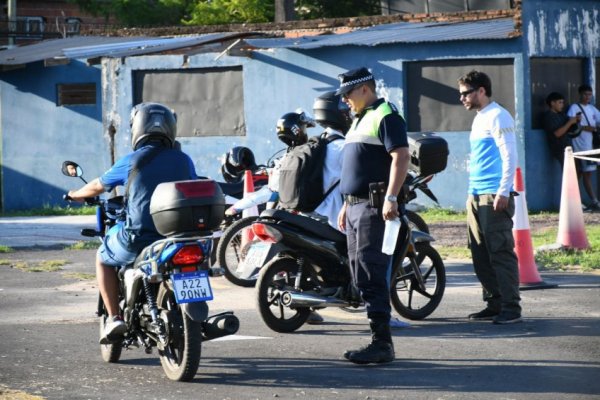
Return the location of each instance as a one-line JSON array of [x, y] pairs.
[[490, 205]]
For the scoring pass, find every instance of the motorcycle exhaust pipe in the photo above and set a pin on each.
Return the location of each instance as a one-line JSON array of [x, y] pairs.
[[296, 300], [220, 325]]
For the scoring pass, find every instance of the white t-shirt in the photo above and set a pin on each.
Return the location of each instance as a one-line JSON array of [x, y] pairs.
[[331, 206], [493, 158], [583, 142]]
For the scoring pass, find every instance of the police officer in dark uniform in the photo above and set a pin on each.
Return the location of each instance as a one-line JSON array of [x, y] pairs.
[[376, 151]]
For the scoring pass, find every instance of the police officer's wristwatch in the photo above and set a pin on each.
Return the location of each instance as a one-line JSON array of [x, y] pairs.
[[391, 198]]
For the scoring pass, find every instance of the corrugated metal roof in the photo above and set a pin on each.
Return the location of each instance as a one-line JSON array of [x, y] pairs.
[[402, 32], [98, 46]]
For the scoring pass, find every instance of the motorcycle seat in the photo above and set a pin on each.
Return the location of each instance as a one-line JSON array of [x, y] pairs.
[[320, 229]]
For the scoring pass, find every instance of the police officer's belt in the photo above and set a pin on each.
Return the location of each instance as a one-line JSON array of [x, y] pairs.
[[351, 200]]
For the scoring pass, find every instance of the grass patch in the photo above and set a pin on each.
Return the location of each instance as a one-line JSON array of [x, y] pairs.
[[6, 262], [10, 394], [84, 245], [52, 211], [446, 252], [584, 260], [587, 260], [45, 266], [5, 249], [436, 214], [80, 276]]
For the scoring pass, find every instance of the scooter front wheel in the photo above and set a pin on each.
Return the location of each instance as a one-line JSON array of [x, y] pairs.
[[409, 299], [232, 250], [277, 277]]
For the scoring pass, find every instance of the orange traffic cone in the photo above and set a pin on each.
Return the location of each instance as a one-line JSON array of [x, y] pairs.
[[571, 229], [529, 277], [247, 234]]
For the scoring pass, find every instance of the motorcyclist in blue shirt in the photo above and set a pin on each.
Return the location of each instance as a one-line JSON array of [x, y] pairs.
[[153, 161]]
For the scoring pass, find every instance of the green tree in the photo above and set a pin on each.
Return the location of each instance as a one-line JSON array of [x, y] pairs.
[[313, 9], [138, 12], [210, 12]]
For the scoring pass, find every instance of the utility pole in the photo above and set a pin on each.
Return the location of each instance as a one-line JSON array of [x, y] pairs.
[[284, 10], [12, 22]]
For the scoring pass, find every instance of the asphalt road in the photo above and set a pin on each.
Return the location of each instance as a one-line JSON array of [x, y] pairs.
[[48, 345]]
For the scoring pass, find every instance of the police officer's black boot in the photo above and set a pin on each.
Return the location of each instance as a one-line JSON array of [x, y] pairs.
[[381, 348]]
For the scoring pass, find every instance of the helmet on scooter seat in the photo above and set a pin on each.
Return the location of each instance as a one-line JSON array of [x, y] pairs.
[[152, 121], [291, 128], [331, 112], [235, 162]]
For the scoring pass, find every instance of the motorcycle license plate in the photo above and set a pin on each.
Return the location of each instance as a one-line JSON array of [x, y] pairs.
[[254, 260], [192, 287]]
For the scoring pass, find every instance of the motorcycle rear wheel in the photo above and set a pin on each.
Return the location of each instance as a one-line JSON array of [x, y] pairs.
[[180, 357], [230, 252], [111, 353], [276, 277], [407, 298]]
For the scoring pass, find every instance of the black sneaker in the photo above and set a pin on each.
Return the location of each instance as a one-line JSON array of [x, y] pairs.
[[594, 207], [507, 317], [484, 315]]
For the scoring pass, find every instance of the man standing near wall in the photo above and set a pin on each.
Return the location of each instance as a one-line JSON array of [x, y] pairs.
[[590, 120], [490, 205]]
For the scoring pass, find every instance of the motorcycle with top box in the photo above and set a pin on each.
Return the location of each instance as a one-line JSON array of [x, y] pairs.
[[164, 293]]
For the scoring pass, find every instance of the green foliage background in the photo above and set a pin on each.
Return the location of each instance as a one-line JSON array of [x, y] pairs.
[[146, 13]]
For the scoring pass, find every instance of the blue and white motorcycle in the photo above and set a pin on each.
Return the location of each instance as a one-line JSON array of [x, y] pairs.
[[164, 294]]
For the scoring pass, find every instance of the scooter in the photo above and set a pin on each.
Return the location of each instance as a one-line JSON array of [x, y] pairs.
[[235, 242], [311, 270]]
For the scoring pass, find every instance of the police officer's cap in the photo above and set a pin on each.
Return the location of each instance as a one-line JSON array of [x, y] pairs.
[[353, 78]]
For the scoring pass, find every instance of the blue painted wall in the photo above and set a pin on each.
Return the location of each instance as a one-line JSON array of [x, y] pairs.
[[37, 135], [276, 81], [554, 28]]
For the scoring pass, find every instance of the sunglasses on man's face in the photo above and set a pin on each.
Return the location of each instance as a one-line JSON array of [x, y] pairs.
[[347, 94], [467, 92]]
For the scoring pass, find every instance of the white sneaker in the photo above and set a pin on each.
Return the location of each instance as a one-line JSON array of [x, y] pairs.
[[114, 328], [314, 318]]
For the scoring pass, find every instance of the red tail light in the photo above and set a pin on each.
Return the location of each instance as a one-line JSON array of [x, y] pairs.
[[188, 255], [199, 188], [266, 233]]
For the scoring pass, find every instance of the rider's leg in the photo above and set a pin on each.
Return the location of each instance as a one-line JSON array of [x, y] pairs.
[[109, 286]]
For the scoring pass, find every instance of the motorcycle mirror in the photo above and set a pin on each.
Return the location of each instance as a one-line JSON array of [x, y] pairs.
[[72, 169]]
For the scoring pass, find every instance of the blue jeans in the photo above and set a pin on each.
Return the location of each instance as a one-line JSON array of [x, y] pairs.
[[113, 252]]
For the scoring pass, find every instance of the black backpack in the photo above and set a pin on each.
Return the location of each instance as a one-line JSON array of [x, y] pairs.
[[301, 175]]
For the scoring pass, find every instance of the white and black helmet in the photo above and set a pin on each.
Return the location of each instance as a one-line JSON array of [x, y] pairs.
[[152, 121], [291, 128]]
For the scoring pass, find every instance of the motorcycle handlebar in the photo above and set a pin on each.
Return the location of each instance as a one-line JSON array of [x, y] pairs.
[[90, 201]]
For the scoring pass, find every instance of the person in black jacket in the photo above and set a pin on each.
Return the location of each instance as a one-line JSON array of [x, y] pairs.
[[558, 126]]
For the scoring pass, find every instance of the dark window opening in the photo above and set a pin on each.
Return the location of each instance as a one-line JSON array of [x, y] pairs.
[[562, 75], [76, 94], [433, 102], [208, 101]]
